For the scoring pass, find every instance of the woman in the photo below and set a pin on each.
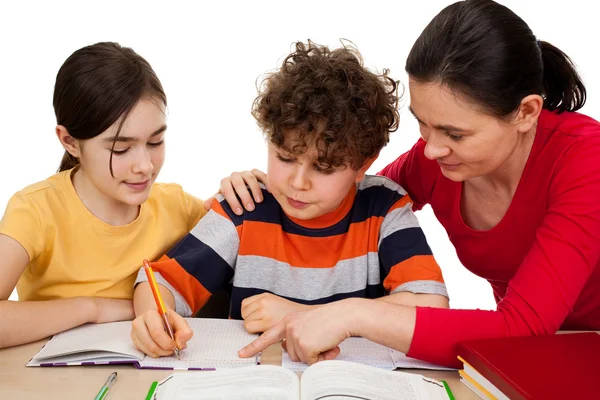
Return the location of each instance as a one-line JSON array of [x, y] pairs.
[[511, 172]]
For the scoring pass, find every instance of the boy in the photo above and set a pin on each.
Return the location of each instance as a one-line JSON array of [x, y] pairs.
[[324, 231]]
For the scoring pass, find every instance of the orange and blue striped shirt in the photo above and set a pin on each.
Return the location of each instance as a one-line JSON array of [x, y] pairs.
[[371, 245]]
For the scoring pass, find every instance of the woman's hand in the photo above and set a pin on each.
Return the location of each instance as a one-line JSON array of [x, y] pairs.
[[238, 184], [310, 336]]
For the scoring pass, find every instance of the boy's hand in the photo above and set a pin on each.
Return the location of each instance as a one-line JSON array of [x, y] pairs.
[[264, 310], [238, 183], [149, 335], [310, 336]]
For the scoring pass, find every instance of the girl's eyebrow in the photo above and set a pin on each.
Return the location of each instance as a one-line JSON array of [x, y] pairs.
[[132, 139]]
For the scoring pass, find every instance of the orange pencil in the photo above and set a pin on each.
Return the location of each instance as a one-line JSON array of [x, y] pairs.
[[159, 303]]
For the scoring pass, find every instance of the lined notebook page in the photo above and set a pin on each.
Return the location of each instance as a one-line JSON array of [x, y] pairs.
[[215, 344], [354, 349], [92, 341]]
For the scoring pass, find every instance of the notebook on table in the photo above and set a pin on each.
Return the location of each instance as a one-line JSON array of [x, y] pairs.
[[214, 345], [364, 351]]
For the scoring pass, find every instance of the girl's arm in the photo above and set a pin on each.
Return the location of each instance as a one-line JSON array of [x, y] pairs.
[[28, 321]]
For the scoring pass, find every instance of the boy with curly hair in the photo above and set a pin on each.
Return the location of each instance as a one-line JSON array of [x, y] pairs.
[[324, 232]]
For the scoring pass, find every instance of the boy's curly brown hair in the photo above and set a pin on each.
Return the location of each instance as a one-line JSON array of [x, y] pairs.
[[329, 99]]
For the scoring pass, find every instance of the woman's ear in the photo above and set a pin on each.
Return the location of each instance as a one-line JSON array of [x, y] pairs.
[[529, 111], [70, 144]]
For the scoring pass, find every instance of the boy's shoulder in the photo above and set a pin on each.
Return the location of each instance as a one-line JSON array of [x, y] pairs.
[[376, 195], [268, 210], [380, 185]]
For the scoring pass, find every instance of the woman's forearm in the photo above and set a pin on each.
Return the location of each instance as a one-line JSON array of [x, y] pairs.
[[386, 323]]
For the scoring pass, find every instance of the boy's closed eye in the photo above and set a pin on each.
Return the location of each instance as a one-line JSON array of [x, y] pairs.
[[284, 159]]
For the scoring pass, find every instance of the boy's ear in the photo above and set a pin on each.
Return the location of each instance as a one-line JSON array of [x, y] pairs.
[[363, 170], [70, 144]]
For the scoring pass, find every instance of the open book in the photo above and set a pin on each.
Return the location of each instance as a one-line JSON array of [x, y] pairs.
[[363, 351], [214, 345], [323, 380]]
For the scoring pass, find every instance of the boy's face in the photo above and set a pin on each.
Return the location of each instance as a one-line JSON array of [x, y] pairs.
[[302, 188]]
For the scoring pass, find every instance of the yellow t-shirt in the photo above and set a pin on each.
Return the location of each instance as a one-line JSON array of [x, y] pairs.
[[73, 253]]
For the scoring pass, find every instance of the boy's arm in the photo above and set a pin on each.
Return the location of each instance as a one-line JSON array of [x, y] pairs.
[[409, 271], [260, 312], [417, 299], [200, 264]]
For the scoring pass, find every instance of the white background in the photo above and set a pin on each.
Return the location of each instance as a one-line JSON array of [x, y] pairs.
[[209, 56]]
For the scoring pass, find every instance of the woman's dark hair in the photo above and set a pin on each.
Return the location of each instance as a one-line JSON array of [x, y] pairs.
[[483, 50], [96, 86], [329, 99]]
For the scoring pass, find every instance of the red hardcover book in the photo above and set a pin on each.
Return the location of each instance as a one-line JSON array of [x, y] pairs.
[[565, 366]]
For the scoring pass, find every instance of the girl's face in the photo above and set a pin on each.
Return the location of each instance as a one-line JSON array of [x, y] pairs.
[[465, 142], [138, 155]]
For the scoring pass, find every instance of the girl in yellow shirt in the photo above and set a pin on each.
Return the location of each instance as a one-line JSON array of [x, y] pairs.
[[73, 244]]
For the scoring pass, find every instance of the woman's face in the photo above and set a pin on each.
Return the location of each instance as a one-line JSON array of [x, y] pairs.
[[465, 141]]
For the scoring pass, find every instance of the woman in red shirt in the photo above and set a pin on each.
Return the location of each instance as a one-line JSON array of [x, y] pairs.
[[510, 170]]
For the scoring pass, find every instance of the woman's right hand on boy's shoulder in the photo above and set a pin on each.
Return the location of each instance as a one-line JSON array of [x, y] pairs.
[[239, 183], [149, 335]]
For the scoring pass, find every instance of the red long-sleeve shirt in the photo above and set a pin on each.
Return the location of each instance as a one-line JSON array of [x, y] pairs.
[[543, 257]]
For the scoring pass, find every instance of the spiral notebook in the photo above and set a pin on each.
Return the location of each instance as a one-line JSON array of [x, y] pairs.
[[214, 345]]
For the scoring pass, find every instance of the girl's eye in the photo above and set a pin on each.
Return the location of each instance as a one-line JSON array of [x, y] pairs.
[[119, 152], [157, 143]]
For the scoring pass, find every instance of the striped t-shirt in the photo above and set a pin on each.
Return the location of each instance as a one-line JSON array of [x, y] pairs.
[[371, 245]]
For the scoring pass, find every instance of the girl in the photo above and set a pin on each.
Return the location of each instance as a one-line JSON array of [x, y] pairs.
[[73, 244]]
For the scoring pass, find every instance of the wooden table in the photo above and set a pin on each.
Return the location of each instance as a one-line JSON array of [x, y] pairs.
[[24, 383]]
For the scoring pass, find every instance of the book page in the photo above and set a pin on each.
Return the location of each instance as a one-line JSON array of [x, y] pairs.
[[402, 361], [346, 380], [355, 349], [84, 342], [215, 344], [264, 382]]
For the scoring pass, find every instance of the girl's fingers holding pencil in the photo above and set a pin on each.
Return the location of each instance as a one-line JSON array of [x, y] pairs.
[[181, 330], [144, 341]]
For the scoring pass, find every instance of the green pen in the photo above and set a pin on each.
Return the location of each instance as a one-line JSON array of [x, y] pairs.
[[106, 387], [448, 391], [152, 390]]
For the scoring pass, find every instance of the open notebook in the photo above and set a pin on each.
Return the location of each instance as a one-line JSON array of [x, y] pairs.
[[323, 380], [214, 345], [363, 351]]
